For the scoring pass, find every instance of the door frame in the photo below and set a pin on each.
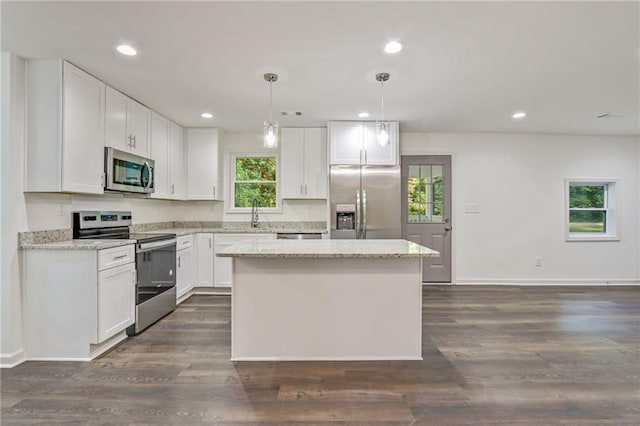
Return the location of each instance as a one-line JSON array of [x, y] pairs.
[[453, 215]]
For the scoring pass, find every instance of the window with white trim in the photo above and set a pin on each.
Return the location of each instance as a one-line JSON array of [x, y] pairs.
[[254, 177], [591, 210]]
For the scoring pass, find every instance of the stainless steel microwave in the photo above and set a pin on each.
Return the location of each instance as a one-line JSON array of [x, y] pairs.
[[126, 172]]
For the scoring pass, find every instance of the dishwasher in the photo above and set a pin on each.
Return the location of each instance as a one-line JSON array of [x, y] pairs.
[[306, 236]]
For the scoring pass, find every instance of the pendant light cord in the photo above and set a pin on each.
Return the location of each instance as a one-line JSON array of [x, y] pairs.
[[270, 102], [382, 102]]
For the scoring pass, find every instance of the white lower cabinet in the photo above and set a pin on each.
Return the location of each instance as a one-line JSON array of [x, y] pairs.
[[204, 262], [185, 267], [223, 266], [77, 303], [116, 300]]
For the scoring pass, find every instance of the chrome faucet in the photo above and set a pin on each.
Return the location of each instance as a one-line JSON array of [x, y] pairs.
[[254, 213]]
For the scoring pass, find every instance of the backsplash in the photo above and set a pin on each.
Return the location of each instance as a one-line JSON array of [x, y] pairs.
[[58, 235]]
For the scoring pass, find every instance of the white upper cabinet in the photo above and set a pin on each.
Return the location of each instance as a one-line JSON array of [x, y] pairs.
[[168, 152], [345, 141], [127, 123], [177, 163], [303, 163], [375, 154], [203, 176], [355, 142], [65, 129], [160, 143]]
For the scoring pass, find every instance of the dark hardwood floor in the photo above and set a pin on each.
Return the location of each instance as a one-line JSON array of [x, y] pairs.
[[492, 355]]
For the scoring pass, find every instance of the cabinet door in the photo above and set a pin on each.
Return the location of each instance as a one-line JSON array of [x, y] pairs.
[[292, 144], [177, 166], [116, 120], [202, 158], [376, 154], [315, 163], [116, 300], [204, 260], [345, 139], [160, 154], [185, 271], [138, 123], [83, 132], [223, 268]]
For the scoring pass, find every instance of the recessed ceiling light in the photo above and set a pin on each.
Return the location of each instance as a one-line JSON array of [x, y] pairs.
[[363, 114], [519, 115], [125, 49], [393, 47], [206, 115]]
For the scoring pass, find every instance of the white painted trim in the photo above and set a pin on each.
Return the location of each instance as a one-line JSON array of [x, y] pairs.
[[350, 358], [12, 359], [550, 281], [612, 208]]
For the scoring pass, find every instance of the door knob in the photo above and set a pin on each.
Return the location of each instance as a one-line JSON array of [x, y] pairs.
[[447, 228]]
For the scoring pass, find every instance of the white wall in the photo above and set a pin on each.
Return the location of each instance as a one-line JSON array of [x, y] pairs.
[[12, 210], [53, 211], [518, 181]]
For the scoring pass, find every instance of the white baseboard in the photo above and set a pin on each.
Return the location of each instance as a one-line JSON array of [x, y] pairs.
[[327, 358], [13, 359], [549, 282]]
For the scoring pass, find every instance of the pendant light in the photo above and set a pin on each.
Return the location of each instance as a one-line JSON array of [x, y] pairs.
[[382, 127], [271, 127]]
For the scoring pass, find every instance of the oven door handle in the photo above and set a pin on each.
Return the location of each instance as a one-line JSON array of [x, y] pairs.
[[155, 245]]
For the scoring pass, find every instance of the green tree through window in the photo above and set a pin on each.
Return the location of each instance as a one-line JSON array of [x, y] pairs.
[[587, 208], [255, 178]]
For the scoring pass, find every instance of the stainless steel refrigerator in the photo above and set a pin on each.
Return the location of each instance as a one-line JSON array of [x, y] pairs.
[[365, 202]]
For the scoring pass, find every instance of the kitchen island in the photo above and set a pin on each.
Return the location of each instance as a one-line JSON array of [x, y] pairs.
[[326, 300]]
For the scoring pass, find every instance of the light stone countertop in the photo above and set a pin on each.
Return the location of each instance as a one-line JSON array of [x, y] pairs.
[[179, 232], [61, 239], [329, 249], [77, 245]]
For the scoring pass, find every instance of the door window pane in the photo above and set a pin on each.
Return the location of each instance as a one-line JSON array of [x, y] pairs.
[[425, 190], [436, 174]]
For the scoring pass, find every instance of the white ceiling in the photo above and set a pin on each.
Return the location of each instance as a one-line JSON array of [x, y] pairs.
[[465, 68]]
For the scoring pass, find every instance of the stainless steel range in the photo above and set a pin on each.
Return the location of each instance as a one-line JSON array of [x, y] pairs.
[[155, 262]]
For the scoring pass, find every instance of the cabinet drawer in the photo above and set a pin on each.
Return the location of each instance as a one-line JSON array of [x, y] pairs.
[[184, 242], [116, 256], [241, 238]]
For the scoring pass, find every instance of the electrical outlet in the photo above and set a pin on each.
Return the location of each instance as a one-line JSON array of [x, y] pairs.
[[538, 261]]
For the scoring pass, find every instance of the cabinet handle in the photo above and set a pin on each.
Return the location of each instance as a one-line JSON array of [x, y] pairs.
[[209, 242], [178, 261], [129, 144], [173, 188], [120, 257], [214, 191], [301, 191], [365, 154], [133, 276], [102, 179], [305, 189], [134, 141]]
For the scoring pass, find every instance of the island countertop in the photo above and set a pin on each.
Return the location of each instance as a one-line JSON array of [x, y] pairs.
[[329, 249]]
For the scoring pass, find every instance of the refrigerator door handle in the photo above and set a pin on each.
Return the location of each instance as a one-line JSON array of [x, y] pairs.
[[363, 233], [358, 213]]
